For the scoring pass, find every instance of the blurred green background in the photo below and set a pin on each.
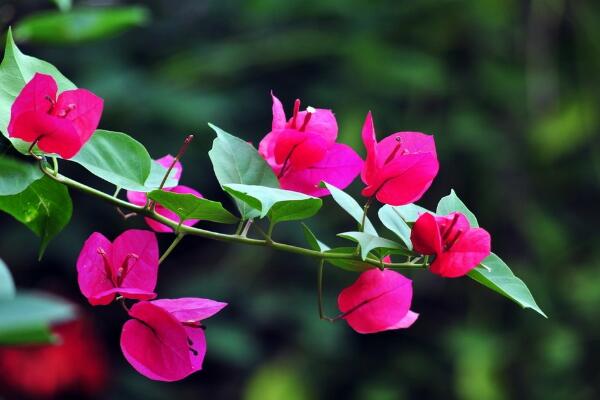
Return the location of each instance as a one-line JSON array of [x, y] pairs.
[[509, 88]]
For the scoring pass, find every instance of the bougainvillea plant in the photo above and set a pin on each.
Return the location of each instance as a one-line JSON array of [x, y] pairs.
[[297, 163]]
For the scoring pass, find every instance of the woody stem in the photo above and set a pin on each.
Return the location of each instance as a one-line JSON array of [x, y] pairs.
[[224, 237]]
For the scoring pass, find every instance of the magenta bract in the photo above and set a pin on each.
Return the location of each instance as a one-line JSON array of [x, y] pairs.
[[139, 198], [165, 340], [400, 168], [303, 151], [457, 247], [127, 267], [60, 125], [378, 301]]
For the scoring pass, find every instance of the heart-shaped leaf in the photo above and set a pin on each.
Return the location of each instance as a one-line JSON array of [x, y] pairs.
[[237, 161], [452, 203], [280, 205], [395, 223], [495, 274], [312, 240], [188, 206], [370, 242], [16, 176], [44, 207], [117, 158]]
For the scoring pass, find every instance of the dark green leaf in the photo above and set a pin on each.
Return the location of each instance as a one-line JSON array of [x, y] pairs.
[[188, 206], [350, 205], [15, 176], [280, 205], [312, 240], [157, 173], [116, 158], [26, 318], [79, 25], [348, 265], [495, 274], [452, 203], [44, 207], [16, 70], [394, 222], [237, 161], [370, 242], [7, 285]]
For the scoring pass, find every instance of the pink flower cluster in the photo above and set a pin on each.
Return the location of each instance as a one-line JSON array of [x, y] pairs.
[[164, 339]]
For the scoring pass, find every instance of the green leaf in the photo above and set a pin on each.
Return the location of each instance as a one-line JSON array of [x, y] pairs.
[[495, 274], [350, 205], [79, 25], [116, 158], [44, 207], [395, 223], [452, 203], [280, 205], [7, 284], [312, 240], [157, 173], [15, 176], [409, 212], [63, 5], [187, 206], [237, 161], [26, 318], [370, 242], [16, 70], [348, 265]]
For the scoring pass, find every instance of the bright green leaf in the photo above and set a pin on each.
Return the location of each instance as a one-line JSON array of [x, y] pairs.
[[495, 274], [370, 242], [116, 158], [350, 205], [187, 206], [44, 207], [16, 70], [237, 161], [312, 240], [157, 173], [409, 212], [15, 176], [395, 223], [347, 264], [79, 25], [7, 284], [280, 205], [452, 203], [26, 318]]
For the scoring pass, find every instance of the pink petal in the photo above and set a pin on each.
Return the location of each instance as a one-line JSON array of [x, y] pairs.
[[166, 162], [339, 167], [425, 235], [406, 322], [300, 149], [156, 344], [56, 135], [405, 143], [471, 248], [322, 122], [376, 301], [197, 340], [157, 226], [266, 149], [85, 113], [137, 198], [140, 273], [107, 296], [91, 271], [278, 114], [37, 96], [190, 309], [370, 142]]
